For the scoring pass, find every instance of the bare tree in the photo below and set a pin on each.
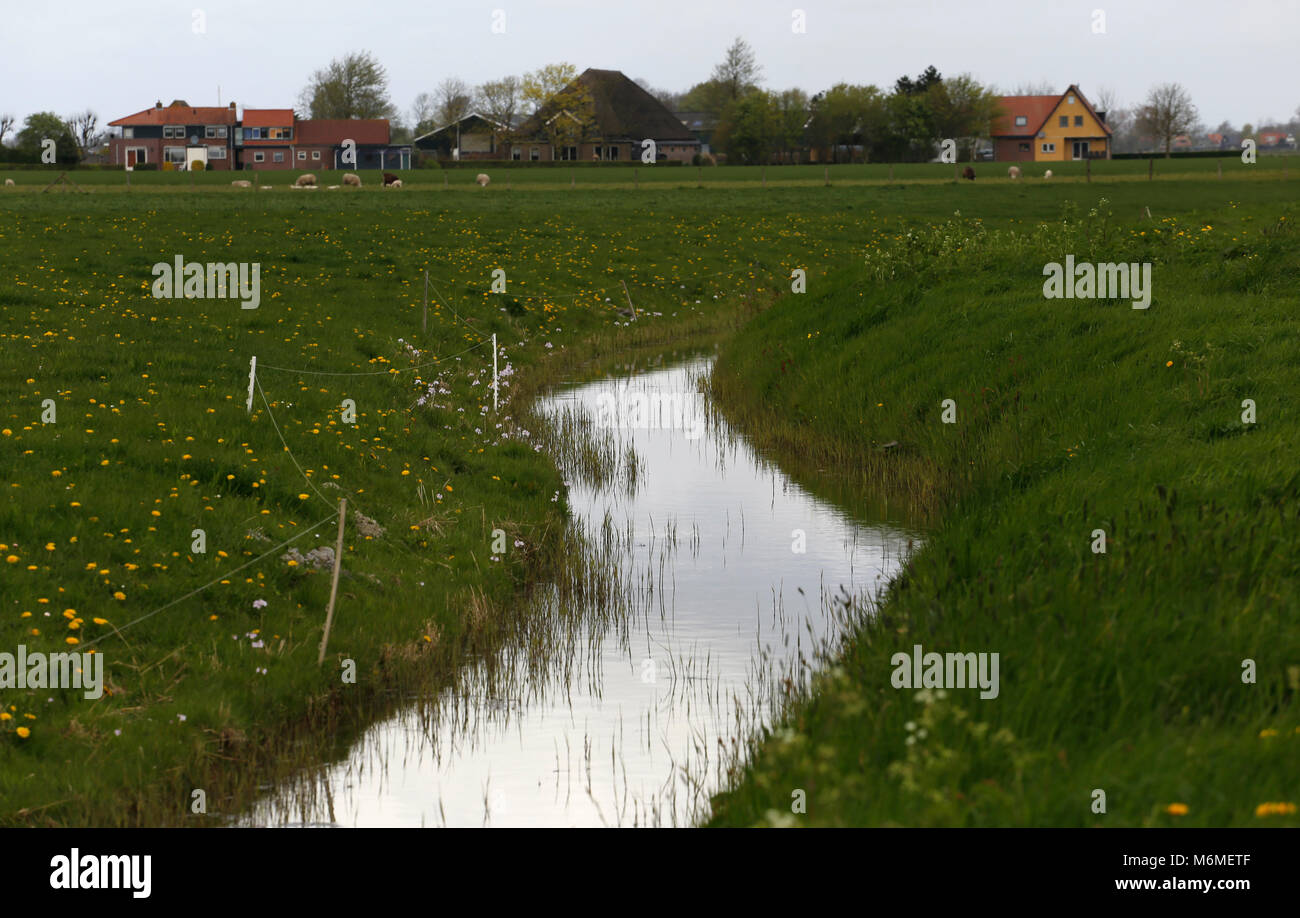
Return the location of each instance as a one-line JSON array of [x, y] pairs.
[[6, 125], [1167, 112], [739, 73], [353, 86], [84, 127], [424, 112], [499, 100], [1035, 88], [454, 98]]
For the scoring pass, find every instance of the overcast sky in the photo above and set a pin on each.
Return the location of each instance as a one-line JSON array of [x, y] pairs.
[[1238, 59]]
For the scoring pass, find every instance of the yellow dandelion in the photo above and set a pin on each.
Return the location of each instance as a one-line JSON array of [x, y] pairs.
[[24, 732], [1176, 809]]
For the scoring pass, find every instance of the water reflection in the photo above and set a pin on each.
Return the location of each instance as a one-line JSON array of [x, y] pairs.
[[708, 580]]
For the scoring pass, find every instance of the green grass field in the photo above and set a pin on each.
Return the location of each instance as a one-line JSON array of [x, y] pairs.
[[214, 690], [1124, 672]]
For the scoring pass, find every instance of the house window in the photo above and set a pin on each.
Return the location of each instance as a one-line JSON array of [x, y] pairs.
[[216, 152], [1022, 120], [173, 154], [1078, 120], [533, 154], [596, 151], [1049, 148], [1024, 148], [277, 156], [315, 154], [281, 134], [128, 133], [1070, 100], [302, 154], [515, 153], [209, 131], [1064, 121], [170, 132], [254, 133], [259, 157], [568, 153]]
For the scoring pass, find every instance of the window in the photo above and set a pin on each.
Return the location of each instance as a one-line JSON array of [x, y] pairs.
[[533, 154], [596, 151], [1078, 120], [302, 154], [256, 133], [568, 153], [277, 156], [1070, 100], [613, 152], [1049, 148], [172, 131], [1024, 148], [315, 154], [281, 134], [173, 154], [128, 133], [1064, 121], [1022, 120], [209, 131], [216, 152], [515, 152], [259, 157]]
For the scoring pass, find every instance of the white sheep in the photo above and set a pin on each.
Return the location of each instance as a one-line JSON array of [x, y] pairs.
[[395, 183], [1047, 174], [350, 178], [482, 180], [9, 183], [1014, 172], [242, 183], [305, 181]]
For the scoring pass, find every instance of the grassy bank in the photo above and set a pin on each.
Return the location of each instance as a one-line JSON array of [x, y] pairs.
[[1122, 672]]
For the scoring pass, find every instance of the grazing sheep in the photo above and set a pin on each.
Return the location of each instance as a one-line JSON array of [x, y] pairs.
[[1014, 172], [306, 181], [389, 178], [350, 178], [9, 183], [1047, 174], [395, 183], [482, 180], [242, 183], [968, 173]]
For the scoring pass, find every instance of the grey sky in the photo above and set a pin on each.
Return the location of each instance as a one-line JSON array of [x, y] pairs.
[[1237, 59]]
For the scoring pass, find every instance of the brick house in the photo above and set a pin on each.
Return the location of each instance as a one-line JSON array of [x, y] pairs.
[[1050, 129], [622, 116], [178, 134], [266, 139]]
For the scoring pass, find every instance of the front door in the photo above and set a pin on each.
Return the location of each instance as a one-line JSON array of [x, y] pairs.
[[1081, 149]]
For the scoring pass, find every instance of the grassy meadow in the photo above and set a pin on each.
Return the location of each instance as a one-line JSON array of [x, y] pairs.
[[1120, 671]]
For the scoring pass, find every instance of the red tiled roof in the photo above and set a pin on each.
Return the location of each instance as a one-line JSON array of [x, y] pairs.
[[1034, 108], [178, 113], [327, 132], [268, 117]]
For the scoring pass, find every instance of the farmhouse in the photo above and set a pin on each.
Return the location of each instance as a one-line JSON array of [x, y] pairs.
[[1050, 129], [621, 116], [178, 134]]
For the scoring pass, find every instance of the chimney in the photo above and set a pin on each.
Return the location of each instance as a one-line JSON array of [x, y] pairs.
[[158, 104]]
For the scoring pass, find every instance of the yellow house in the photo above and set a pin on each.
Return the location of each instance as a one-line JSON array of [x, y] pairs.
[[1050, 128]]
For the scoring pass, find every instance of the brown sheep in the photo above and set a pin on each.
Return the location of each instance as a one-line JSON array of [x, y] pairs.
[[389, 178], [968, 173]]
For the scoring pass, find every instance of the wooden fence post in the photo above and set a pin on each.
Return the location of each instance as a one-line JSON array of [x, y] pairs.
[[334, 584]]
